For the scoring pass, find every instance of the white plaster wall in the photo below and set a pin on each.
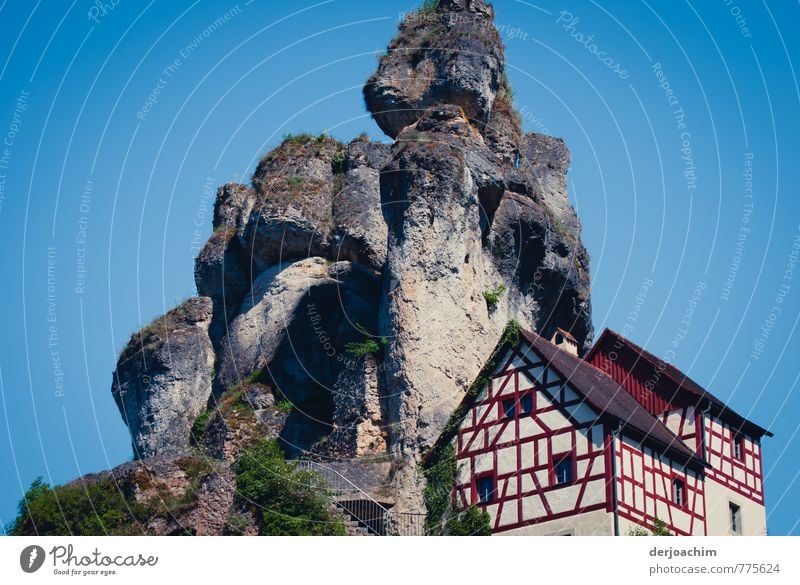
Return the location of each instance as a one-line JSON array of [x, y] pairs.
[[596, 523], [754, 518]]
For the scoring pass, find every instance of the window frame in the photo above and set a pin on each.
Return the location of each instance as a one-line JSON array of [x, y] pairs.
[[555, 460], [524, 396], [492, 494], [504, 415], [738, 512], [737, 444], [684, 492]]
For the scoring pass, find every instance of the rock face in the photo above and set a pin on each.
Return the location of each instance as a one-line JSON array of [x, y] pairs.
[[164, 378], [352, 294], [450, 56], [359, 230]]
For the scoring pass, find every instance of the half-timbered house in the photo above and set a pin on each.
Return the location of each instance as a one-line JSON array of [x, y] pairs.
[[553, 444]]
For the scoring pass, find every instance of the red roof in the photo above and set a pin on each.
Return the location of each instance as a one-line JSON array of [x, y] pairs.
[[611, 400], [702, 396]]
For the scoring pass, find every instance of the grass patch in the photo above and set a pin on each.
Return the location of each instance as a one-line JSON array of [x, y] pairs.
[[302, 138], [287, 501]]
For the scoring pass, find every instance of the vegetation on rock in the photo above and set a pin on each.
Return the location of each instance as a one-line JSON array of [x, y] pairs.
[[287, 501]]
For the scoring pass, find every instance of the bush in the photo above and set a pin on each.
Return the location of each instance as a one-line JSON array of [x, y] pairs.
[[362, 348], [443, 517], [81, 510], [337, 162], [288, 502], [660, 528], [492, 296], [471, 522], [200, 426]]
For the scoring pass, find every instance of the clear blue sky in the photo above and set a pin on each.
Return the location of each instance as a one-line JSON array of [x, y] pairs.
[[658, 202]]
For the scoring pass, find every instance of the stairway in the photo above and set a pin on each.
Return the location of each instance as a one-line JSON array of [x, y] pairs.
[[363, 515]]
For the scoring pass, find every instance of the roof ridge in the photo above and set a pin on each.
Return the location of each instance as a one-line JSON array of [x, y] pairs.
[[618, 390]]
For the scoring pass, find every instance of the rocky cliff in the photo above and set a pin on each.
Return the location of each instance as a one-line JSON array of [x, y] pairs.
[[352, 292]]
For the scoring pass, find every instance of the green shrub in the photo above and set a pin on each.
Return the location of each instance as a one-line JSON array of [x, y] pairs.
[[492, 296], [362, 348], [470, 522], [443, 517], [295, 181], [287, 501], [660, 528], [81, 510], [337, 162], [302, 138], [236, 524], [284, 405], [200, 426]]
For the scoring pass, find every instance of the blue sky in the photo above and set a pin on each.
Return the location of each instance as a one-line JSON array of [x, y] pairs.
[[697, 195]]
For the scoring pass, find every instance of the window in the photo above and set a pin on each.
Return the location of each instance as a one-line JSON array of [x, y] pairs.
[[563, 470], [678, 491], [738, 451], [485, 488], [526, 404], [736, 518], [509, 408]]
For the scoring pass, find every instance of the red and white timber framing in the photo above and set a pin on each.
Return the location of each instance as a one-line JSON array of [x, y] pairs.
[[519, 452], [646, 490], [740, 474], [710, 437]]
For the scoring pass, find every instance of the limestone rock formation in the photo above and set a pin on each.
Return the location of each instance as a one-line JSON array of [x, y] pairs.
[[451, 56], [353, 292], [164, 377]]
